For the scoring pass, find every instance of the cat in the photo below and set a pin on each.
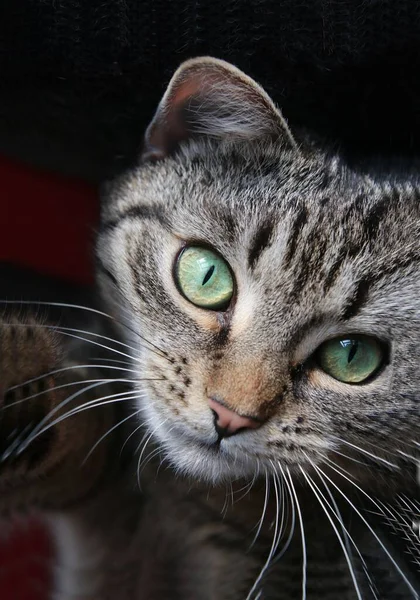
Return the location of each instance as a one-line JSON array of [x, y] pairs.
[[267, 295]]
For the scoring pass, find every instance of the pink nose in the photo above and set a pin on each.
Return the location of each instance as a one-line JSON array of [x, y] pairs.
[[228, 422]]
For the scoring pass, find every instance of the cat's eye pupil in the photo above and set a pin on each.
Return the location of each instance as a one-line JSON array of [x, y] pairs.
[[350, 360], [204, 278], [208, 275], [353, 350]]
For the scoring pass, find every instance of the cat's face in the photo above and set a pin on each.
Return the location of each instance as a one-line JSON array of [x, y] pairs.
[[276, 293]]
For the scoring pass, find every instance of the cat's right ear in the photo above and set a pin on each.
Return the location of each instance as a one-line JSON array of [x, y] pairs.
[[208, 97]]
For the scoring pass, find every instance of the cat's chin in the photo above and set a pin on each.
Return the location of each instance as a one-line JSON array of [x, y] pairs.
[[210, 463], [217, 462]]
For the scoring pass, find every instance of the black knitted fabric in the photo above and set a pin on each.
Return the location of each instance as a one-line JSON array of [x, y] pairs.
[[81, 78]]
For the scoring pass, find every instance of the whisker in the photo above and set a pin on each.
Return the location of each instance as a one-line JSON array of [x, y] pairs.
[[409, 456], [261, 521], [64, 370], [22, 444], [347, 537], [149, 459], [408, 502], [285, 499], [386, 450], [360, 489], [225, 506], [16, 436], [125, 314], [155, 453], [350, 458], [363, 451], [121, 396], [65, 385], [69, 332], [62, 331], [121, 422], [144, 448], [339, 538], [302, 531], [398, 568], [328, 460], [130, 436], [40, 429], [345, 474], [128, 363], [53, 389], [245, 489], [82, 308], [231, 495], [273, 545]]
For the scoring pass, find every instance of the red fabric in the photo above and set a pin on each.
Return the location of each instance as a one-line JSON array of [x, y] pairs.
[[46, 223], [24, 563]]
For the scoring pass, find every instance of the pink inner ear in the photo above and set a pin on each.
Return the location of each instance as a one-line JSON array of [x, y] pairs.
[[186, 89], [168, 127], [224, 103]]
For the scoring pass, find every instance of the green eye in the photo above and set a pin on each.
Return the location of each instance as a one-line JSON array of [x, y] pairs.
[[352, 359], [204, 278]]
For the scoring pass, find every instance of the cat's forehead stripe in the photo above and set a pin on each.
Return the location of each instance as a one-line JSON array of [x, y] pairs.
[[137, 212], [261, 241], [296, 228]]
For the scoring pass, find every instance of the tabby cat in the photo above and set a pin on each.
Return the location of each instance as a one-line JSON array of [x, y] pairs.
[[267, 296]]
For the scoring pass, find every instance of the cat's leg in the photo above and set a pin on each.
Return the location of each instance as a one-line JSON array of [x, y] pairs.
[[44, 438], [51, 417]]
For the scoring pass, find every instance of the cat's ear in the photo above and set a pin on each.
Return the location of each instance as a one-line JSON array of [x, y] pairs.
[[208, 97]]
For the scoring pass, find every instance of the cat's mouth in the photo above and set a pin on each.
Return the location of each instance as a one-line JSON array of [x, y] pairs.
[[218, 458]]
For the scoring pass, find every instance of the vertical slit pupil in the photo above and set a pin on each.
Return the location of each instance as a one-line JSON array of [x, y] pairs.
[[208, 275], [353, 351]]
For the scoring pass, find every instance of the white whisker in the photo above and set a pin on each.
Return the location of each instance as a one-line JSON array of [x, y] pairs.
[[40, 429], [302, 531], [82, 308], [363, 451], [261, 521], [285, 518], [60, 387], [328, 460], [347, 537], [273, 545], [121, 422], [398, 568], [69, 368], [151, 434], [131, 435], [339, 538], [128, 363]]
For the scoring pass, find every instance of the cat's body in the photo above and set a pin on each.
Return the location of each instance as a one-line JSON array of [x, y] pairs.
[[242, 389], [174, 541]]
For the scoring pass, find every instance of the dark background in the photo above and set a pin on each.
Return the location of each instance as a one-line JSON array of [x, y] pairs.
[[81, 78]]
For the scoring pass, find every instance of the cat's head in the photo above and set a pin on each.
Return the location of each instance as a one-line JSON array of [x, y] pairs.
[[270, 295]]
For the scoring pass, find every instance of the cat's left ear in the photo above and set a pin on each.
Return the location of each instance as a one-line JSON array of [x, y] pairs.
[[208, 97]]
